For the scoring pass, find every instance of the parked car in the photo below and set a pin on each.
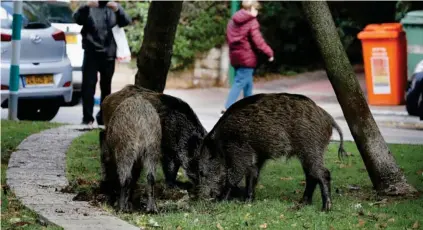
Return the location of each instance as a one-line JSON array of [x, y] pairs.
[[59, 14], [45, 81], [414, 95]]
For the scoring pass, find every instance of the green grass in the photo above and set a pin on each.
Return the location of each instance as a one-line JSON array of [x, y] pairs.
[[13, 214], [279, 189]]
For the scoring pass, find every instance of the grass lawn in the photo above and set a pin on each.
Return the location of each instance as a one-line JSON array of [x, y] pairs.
[[280, 187], [13, 214]]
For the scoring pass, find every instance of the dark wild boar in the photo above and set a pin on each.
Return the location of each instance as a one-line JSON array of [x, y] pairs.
[[132, 142], [262, 127], [182, 131]]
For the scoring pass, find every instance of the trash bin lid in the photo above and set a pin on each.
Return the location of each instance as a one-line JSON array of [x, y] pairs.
[[380, 31], [413, 17]]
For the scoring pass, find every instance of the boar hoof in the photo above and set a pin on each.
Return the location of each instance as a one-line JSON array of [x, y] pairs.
[[306, 201], [327, 206]]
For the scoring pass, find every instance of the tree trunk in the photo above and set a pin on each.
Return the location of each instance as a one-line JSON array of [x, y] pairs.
[[155, 55], [385, 174]]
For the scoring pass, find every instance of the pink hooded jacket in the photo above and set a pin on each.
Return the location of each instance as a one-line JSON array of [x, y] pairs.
[[242, 34]]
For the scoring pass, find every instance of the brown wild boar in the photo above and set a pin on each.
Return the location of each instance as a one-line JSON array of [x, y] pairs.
[[132, 142], [262, 127], [182, 132]]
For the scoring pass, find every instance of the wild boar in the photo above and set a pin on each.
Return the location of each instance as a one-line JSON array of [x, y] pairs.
[[132, 142], [182, 131], [262, 127]]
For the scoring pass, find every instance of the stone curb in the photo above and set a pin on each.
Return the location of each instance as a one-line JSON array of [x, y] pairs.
[[37, 172]]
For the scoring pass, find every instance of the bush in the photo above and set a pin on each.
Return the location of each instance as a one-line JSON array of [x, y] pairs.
[[202, 27]]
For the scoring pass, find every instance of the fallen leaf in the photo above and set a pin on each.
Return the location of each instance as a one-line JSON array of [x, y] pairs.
[[261, 186], [286, 178], [282, 216], [331, 228], [361, 223], [219, 226], [294, 225], [353, 187], [391, 220], [416, 225], [21, 223], [379, 226], [264, 226], [384, 201], [179, 228], [153, 223], [14, 220], [358, 206]]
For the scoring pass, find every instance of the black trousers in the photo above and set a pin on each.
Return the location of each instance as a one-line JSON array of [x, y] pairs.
[[92, 64]]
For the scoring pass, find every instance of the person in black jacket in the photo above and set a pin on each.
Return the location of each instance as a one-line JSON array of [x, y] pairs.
[[97, 19]]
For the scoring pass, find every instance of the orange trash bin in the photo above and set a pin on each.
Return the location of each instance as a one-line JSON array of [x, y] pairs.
[[385, 63]]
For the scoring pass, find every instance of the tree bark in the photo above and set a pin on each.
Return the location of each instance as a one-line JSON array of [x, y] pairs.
[[385, 174], [154, 57]]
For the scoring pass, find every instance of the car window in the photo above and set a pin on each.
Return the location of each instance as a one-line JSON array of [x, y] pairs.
[[57, 12], [32, 18]]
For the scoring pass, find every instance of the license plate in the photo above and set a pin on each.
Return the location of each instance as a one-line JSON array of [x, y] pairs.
[[71, 39], [39, 80]]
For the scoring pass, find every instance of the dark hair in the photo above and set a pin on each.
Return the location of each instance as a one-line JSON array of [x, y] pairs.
[[102, 3]]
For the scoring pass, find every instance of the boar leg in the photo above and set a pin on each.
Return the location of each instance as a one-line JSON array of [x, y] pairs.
[[124, 195], [109, 181], [311, 184], [151, 170], [136, 172], [325, 189], [251, 179], [170, 170], [312, 162]]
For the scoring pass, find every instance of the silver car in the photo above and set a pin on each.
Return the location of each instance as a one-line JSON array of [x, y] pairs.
[[45, 82]]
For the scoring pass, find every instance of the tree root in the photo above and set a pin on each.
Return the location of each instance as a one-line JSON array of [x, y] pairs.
[[398, 189]]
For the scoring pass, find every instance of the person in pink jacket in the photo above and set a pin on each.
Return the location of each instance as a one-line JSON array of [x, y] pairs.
[[244, 39]]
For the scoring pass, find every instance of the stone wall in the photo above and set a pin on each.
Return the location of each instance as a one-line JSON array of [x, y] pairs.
[[211, 68]]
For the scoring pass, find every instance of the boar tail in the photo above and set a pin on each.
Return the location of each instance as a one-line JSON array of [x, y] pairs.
[[341, 151]]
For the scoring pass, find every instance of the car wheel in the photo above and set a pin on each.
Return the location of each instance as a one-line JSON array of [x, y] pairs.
[[43, 111], [27, 111], [76, 99], [48, 112]]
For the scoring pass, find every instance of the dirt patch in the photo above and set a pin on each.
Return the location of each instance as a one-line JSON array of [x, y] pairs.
[[167, 199]]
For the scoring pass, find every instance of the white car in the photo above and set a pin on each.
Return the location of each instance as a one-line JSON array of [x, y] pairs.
[[45, 80], [59, 14]]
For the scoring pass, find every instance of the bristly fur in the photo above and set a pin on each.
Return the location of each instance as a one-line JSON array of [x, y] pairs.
[[132, 142], [182, 131], [262, 127]]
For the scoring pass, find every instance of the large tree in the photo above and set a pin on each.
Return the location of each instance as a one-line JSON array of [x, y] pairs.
[[385, 174], [155, 55]]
